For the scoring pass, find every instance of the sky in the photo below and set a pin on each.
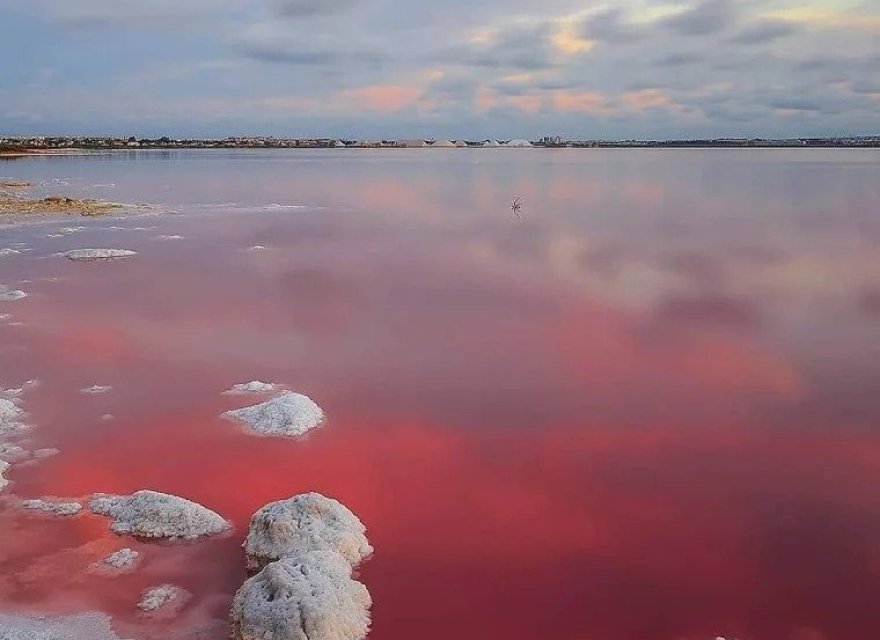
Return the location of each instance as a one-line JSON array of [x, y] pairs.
[[582, 69]]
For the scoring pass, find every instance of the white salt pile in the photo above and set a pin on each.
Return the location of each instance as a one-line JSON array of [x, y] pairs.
[[166, 597], [305, 523], [122, 559], [96, 388], [252, 387], [98, 254], [86, 626], [288, 414], [11, 417], [8, 294], [53, 507], [150, 514], [309, 598], [307, 547]]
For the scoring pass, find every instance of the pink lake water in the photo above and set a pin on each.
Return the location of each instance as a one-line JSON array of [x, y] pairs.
[[647, 410]]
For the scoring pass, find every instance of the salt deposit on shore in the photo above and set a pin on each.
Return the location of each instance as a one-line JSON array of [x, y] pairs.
[[150, 514], [84, 255], [53, 507], [8, 294], [305, 523], [4, 466], [11, 417], [288, 414], [252, 387], [86, 626], [309, 598]]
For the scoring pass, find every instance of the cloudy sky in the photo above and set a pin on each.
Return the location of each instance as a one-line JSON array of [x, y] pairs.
[[450, 68]]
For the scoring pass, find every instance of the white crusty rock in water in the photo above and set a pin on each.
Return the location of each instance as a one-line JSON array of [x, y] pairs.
[[150, 514], [98, 254], [86, 626], [166, 596], [309, 598], [8, 294], [52, 507], [3, 481], [96, 388], [11, 416], [252, 387], [122, 559], [308, 522], [289, 414]]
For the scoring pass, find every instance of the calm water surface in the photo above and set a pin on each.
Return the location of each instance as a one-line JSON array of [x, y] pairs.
[[648, 410]]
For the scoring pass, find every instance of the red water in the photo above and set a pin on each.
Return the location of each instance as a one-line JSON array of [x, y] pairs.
[[647, 411]]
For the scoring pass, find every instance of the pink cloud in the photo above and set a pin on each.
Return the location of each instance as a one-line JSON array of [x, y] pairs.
[[385, 97]]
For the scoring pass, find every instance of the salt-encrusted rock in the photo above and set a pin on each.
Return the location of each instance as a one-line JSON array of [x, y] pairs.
[[86, 626], [122, 559], [288, 414], [42, 454], [12, 453], [53, 507], [169, 237], [309, 598], [3, 481], [96, 388], [252, 387], [150, 514], [166, 597], [11, 417], [258, 247], [98, 254], [8, 294], [305, 523], [5, 253], [5, 316]]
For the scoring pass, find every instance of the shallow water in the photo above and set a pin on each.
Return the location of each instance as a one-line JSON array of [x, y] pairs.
[[647, 410]]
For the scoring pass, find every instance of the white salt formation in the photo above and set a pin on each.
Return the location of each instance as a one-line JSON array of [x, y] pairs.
[[86, 626], [3, 481], [172, 237], [309, 598], [252, 387], [96, 388], [12, 453], [7, 294], [289, 414], [98, 254], [11, 416], [42, 454], [5, 253], [122, 559], [166, 596], [150, 514], [53, 507], [305, 523]]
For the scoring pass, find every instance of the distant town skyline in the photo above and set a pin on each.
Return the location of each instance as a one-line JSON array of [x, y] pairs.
[[366, 69]]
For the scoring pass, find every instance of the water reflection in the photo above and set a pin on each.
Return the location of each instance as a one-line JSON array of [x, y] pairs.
[[644, 412]]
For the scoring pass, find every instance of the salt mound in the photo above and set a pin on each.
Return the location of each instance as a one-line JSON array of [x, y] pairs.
[[8, 294], [252, 387], [96, 388], [302, 524], [166, 596], [55, 508], [122, 559], [10, 417], [150, 514], [289, 414], [86, 626], [98, 254], [308, 598], [3, 481]]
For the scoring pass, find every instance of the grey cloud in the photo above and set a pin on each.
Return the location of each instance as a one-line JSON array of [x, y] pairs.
[[680, 59], [612, 26], [703, 19], [797, 104], [764, 32], [310, 8], [525, 48]]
